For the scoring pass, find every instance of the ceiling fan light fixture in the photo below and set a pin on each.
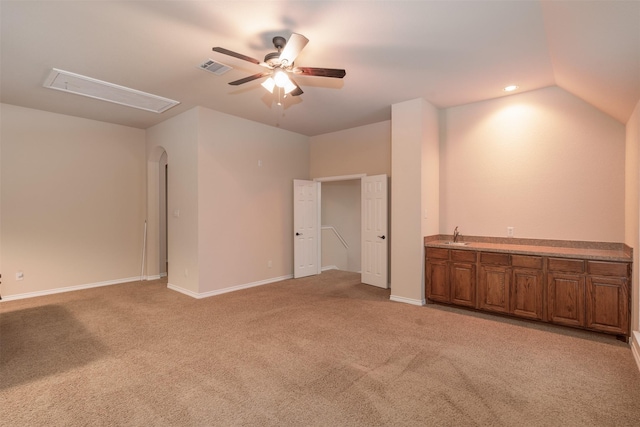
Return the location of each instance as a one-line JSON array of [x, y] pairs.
[[289, 87], [281, 79], [269, 84]]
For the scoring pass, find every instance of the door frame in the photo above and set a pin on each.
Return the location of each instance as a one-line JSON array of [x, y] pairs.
[[347, 178]]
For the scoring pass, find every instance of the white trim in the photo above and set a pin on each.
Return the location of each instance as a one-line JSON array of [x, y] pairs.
[[635, 347], [405, 300], [330, 267], [154, 277], [183, 291], [229, 289], [340, 178], [68, 289]]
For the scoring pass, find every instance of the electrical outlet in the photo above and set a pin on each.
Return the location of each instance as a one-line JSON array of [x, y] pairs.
[[19, 275], [509, 231], [269, 264]]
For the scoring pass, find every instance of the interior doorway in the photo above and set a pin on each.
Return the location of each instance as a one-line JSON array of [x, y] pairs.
[[324, 216], [341, 225], [163, 230]]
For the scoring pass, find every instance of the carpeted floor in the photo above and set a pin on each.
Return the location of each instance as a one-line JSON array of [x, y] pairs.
[[319, 351]]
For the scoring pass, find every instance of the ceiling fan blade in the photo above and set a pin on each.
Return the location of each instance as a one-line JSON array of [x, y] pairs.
[[292, 49], [250, 78], [236, 55], [320, 72]]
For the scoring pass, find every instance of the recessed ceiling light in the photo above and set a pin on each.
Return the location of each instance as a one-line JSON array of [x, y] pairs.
[[86, 86], [510, 88]]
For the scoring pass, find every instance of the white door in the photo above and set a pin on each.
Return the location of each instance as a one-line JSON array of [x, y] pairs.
[[306, 228], [375, 236]]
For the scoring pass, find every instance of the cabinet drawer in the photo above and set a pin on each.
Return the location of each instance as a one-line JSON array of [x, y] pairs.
[[526, 261], [601, 268], [565, 264], [464, 256], [494, 258], [437, 253]]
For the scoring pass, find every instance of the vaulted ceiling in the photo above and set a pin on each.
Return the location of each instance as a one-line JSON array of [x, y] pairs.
[[447, 52]]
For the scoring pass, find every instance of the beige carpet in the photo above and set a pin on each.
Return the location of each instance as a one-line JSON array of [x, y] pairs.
[[320, 351]]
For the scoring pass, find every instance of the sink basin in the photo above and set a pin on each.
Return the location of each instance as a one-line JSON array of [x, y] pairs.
[[456, 243]]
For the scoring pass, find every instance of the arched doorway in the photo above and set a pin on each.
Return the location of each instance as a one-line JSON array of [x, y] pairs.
[[157, 207], [163, 232]]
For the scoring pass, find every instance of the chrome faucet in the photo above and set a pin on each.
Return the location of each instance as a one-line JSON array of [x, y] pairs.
[[456, 234]]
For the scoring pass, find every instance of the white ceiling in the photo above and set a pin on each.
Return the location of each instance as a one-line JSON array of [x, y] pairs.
[[447, 52]]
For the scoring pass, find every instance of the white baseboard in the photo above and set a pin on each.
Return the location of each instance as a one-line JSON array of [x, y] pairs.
[[635, 346], [183, 291], [329, 267], [68, 289], [226, 290], [407, 300]]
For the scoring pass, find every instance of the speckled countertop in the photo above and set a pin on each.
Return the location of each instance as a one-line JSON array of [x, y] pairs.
[[602, 251]]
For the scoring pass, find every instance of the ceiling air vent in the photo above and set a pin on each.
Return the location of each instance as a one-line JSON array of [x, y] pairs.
[[97, 89], [215, 67]]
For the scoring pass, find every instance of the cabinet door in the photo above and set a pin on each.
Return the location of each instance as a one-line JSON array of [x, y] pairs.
[[607, 307], [526, 293], [566, 295], [437, 280], [463, 284], [493, 288]]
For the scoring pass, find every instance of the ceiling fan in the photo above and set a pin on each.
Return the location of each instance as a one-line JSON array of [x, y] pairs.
[[280, 66]]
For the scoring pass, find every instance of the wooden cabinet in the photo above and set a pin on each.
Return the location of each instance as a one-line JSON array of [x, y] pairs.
[[566, 294], [607, 296], [566, 291], [527, 287], [590, 294], [571, 292], [450, 276], [494, 282], [462, 273], [437, 274], [511, 284]]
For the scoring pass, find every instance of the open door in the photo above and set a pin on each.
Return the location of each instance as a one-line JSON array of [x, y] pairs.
[[375, 236], [306, 228]]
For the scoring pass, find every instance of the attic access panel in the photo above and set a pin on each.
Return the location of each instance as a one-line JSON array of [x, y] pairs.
[[66, 81]]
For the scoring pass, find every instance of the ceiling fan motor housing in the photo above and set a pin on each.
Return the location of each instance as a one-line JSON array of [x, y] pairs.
[[279, 42], [272, 58]]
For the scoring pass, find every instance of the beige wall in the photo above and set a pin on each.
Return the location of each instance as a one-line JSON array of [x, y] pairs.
[[430, 170], [414, 132], [178, 136], [246, 208], [361, 150], [632, 205], [544, 162], [73, 201]]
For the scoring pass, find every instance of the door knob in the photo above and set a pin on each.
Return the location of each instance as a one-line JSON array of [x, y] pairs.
[[381, 237], [298, 234]]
